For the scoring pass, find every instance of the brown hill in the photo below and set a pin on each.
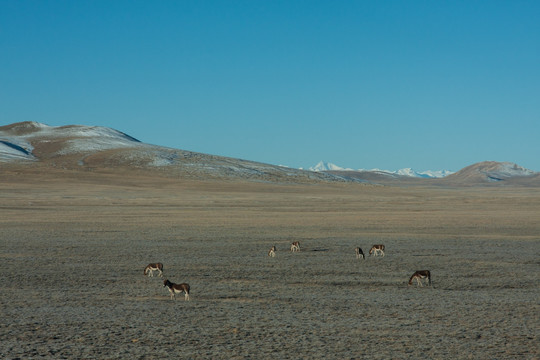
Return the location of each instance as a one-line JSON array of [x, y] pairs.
[[99, 149], [493, 172]]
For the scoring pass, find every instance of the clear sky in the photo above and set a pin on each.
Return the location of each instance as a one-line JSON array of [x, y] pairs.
[[363, 84]]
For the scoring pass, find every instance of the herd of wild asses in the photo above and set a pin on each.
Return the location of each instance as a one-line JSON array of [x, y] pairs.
[[376, 250]]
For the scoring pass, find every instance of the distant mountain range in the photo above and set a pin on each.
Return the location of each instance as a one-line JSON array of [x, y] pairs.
[[428, 174], [95, 148]]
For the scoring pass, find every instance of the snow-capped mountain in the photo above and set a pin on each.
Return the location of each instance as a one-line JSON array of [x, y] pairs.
[[430, 174], [326, 166]]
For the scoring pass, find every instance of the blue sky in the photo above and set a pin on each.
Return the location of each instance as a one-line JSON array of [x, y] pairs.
[[362, 84]]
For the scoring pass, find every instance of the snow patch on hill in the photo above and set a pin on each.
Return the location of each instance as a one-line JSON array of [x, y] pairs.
[[508, 169], [16, 140], [15, 150]]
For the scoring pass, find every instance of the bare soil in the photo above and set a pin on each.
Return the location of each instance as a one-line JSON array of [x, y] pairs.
[[74, 246]]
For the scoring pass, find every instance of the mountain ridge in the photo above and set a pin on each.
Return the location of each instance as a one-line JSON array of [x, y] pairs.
[[95, 148], [91, 148]]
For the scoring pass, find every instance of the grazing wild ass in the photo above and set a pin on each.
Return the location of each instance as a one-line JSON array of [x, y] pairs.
[[359, 253], [376, 250], [272, 251], [177, 289], [419, 276], [150, 268], [295, 246]]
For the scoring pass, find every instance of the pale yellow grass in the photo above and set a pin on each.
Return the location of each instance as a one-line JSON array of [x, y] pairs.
[[74, 246]]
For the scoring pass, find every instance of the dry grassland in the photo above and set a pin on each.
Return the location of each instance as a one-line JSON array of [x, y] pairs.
[[73, 253]]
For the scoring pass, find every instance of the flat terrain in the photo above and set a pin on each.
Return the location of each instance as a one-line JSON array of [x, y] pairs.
[[73, 249]]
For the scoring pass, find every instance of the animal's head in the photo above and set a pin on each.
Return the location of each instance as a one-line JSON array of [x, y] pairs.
[[166, 282]]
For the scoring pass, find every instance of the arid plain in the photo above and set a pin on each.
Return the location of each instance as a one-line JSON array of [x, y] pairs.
[[74, 246]]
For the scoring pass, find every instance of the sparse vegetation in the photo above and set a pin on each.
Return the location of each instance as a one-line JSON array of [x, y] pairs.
[[74, 246]]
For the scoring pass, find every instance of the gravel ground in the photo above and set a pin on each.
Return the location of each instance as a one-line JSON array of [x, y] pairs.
[[73, 283]]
